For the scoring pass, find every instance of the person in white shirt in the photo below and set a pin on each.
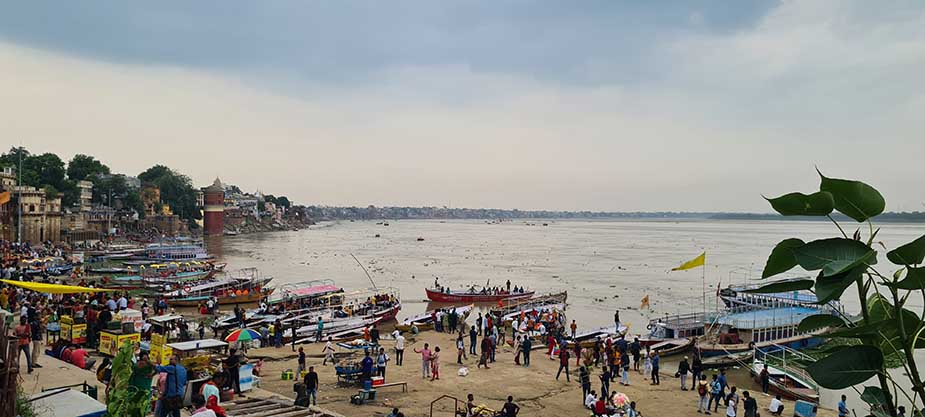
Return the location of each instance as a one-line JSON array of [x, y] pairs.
[[590, 400], [399, 347], [328, 352], [123, 303], [776, 407]]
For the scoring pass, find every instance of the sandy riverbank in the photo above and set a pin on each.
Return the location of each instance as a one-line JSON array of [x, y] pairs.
[[534, 389]]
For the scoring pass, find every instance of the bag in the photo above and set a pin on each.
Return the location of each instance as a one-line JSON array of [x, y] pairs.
[[701, 389], [463, 371]]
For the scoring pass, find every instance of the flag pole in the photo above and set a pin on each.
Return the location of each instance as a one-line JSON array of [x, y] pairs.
[[703, 280]]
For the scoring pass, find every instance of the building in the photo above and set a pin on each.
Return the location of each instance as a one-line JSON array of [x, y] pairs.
[[40, 215], [213, 198], [7, 179], [86, 195], [151, 198]]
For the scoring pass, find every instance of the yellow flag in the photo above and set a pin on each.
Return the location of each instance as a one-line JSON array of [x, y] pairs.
[[693, 263]]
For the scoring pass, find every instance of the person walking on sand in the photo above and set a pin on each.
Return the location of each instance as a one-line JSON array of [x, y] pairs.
[[381, 360], [24, 334], [301, 360], [765, 377], [473, 337], [716, 394], [647, 364], [655, 361], [517, 350], [563, 364], [842, 406], [605, 380], [460, 349], [625, 364], [399, 347], [509, 409], [486, 349], [683, 369], [703, 391], [526, 346], [328, 351], [435, 364], [425, 360], [749, 405], [616, 320], [311, 385], [634, 350], [584, 377], [574, 328], [320, 330], [732, 401]]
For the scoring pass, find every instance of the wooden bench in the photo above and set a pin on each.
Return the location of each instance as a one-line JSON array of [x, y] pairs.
[[404, 385]]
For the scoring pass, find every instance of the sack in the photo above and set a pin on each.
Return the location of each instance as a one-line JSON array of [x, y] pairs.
[[463, 371]]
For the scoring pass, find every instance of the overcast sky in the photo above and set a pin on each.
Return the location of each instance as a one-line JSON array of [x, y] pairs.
[[599, 105]]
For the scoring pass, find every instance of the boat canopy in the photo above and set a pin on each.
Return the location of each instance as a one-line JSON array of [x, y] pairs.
[[775, 317]]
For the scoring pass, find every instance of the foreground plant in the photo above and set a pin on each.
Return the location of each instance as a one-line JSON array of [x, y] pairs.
[[886, 328]]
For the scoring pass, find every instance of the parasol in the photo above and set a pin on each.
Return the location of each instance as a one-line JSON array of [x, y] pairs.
[[241, 335]]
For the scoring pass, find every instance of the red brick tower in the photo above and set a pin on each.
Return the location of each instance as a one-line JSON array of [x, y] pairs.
[[213, 198]]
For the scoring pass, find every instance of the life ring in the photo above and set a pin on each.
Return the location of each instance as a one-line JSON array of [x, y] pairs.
[[649, 326], [187, 288]]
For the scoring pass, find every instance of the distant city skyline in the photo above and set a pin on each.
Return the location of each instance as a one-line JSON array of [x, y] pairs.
[[613, 106]]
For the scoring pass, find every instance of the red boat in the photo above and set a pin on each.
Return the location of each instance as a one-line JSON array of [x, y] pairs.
[[473, 297]]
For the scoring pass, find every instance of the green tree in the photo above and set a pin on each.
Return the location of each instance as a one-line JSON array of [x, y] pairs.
[[886, 327], [283, 201], [176, 190], [83, 167]]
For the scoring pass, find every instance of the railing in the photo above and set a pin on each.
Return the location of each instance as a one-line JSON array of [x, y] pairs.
[[778, 355]]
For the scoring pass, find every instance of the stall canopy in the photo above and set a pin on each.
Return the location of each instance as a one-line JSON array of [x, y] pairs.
[[53, 288]]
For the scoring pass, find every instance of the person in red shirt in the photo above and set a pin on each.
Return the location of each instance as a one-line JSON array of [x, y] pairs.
[[600, 407], [24, 334], [563, 364], [79, 358]]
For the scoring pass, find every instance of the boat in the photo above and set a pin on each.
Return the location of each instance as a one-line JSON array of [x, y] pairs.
[[673, 346], [588, 338], [239, 287], [306, 294], [472, 296], [728, 360], [790, 382], [736, 299], [679, 326], [517, 304], [425, 321], [760, 329], [179, 251]]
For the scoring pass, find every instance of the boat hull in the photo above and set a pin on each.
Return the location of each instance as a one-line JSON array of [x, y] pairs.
[[442, 297], [795, 343], [252, 297]]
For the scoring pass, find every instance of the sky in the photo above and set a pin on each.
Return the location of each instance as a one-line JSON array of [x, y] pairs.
[[596, 105]]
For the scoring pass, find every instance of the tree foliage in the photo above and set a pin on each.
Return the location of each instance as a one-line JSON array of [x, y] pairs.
[[887, 328], [176, 190], [84, 167]]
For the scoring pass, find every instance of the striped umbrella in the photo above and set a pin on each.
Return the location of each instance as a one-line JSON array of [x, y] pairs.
[[241, 335]]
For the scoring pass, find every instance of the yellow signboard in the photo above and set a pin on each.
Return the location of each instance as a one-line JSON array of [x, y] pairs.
[[160, 354], [158, 339], [110, 342]]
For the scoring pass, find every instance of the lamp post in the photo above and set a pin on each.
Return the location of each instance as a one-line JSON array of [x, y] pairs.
[[19, 200]]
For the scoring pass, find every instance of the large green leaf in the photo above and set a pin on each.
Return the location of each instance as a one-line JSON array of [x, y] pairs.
[[847, 367], [914, 280], [783, 286], [831, 288], [876, 398], [872, 329], [799, 204], [912, 253], [889, 336], [781, 259], [834, 256], [854, 199], [818, 321]]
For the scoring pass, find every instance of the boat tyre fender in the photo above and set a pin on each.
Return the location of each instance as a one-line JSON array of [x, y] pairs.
[[649, 326], [187, 288]]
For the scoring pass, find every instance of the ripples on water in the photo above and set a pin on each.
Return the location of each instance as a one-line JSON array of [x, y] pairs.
[[604, 265]]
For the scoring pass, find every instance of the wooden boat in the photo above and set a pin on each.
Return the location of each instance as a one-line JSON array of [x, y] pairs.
[[239, 287], [587, 338], [518, 304], [425, 321], [673, 346], [307, 294], [790, 383], [472, 296], [729, 360]]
